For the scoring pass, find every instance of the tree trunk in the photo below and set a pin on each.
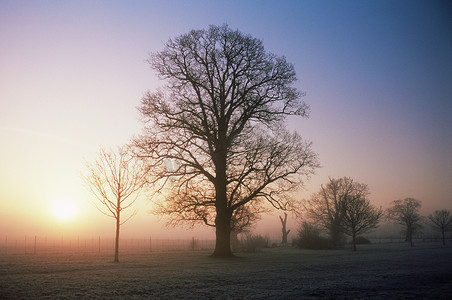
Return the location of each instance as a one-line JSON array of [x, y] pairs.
[[117, 239], [443, 235], [284, 237], [223, 217], [285, 232], [223, 236], [354, 241], [336, 234], [409, 236]]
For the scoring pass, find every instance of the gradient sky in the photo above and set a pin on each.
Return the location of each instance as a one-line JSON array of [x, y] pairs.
[[377, 75]]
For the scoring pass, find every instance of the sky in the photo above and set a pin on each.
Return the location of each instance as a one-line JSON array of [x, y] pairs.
[[377, 77]]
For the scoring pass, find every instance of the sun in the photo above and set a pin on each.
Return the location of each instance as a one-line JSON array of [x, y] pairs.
[[64, 209]]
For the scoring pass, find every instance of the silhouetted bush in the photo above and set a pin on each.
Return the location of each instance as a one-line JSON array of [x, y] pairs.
[[309, 237], [360, 240], [253, 243]]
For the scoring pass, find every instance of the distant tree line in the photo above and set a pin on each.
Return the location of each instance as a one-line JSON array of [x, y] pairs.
[[341, 208]]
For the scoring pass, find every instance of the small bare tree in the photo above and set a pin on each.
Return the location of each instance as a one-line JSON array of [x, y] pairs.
[[359, 217], [406, 213], [113, 179], [285, 232], [441, 220]]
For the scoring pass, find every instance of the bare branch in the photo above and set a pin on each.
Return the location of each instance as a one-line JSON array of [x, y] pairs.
[[112, 179], [406, 213], [220, 123]]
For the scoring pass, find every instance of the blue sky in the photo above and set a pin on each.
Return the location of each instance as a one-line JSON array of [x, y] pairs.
[[377, 75]]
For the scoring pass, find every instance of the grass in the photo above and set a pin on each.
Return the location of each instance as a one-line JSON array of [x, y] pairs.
[[375, 271]]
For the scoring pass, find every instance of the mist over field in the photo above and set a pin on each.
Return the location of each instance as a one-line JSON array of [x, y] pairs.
[[377, 271]]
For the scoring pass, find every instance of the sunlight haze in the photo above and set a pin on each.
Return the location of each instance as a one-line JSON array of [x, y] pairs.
[[377, 77]]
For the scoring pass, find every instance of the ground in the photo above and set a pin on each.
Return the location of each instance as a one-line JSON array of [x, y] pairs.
[[393, 271]]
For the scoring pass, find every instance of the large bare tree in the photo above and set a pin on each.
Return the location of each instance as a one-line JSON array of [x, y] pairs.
[[115, 179], [406, 213], [327, 207], [441, 220], [219, 124]]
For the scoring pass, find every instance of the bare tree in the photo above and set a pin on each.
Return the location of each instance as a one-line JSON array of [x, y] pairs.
[[441, 220], [327, 207], [359, 217], [406, 213], [113, 179], [220, 123], [285, 232]]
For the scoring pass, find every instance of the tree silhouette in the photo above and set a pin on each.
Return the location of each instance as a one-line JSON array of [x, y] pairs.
[[441, 221], [359, 217], [113, 179], [327, 207], [219, 124], [285, 232], [406, 213]]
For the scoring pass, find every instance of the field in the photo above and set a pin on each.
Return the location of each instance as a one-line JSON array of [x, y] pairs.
[[393, 271]]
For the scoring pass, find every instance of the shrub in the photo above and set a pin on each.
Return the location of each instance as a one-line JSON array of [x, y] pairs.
[[309, 237], [253, 243], [360, 240]]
